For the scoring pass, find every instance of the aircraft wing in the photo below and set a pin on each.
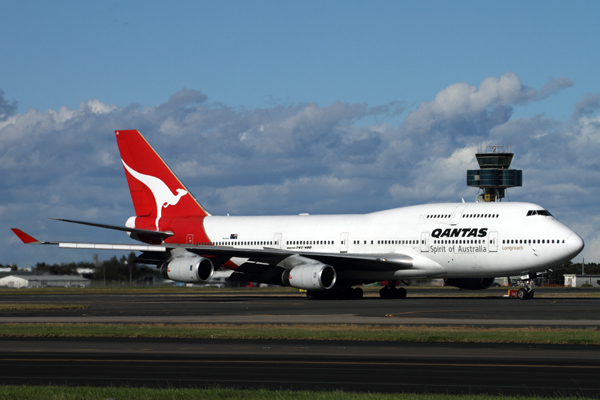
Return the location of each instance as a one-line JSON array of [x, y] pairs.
[[267, 256]]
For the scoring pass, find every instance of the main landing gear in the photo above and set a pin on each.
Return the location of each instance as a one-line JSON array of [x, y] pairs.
[[390, 291]]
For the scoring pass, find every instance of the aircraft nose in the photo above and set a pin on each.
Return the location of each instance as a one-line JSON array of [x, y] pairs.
[[574, 244]]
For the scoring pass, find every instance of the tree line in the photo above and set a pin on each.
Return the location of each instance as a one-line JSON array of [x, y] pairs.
[[123, 269], [557, 274]]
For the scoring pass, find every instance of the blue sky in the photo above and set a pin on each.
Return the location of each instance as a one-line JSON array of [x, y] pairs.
[[287, 107]]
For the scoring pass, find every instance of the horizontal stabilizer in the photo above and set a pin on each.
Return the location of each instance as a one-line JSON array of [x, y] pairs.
[[146, 232], [28, 239], [25, 238]]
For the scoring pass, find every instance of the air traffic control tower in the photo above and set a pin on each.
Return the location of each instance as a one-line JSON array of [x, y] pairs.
[[495, 176]]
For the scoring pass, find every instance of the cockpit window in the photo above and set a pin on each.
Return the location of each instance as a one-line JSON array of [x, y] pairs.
[[539, 212]]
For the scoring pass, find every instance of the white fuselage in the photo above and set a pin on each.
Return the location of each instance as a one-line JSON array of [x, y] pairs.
[[445, 240]]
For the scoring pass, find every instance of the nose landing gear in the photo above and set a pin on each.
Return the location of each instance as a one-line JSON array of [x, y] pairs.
[[526, 292]]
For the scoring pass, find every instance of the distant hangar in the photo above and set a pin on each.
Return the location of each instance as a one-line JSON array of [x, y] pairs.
[[575, 280], [39, 281]]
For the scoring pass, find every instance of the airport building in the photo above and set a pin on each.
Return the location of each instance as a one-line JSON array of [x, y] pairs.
[[39, 281], [573, 280]]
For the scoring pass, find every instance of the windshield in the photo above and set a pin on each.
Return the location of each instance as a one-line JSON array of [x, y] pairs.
[[539, 212]]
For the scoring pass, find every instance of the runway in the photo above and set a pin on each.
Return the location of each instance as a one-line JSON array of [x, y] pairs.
[[316, 365], [304, 365]]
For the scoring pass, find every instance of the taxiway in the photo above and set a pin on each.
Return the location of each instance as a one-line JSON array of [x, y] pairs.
[[548, 370]]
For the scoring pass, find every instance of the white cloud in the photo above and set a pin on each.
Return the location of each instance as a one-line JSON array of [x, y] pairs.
[[297, 158], [99, 107], [478, 109]]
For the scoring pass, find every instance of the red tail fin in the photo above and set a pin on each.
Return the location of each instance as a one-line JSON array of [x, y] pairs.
[[155, 190]]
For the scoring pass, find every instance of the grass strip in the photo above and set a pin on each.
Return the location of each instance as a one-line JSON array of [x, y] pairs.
[[36, 307], [349, 332], [102, 393]]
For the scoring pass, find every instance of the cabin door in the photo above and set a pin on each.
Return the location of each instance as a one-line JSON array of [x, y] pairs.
[[424, 242], [493, 241], [344, 242], [277, 241]]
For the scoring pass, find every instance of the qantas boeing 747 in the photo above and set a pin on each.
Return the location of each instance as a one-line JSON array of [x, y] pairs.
[[467, 244]]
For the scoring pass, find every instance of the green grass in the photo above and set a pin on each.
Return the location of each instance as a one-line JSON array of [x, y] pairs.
[[460, 334], [103, 393]]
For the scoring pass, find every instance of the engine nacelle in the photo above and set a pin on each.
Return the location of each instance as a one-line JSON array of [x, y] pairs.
[[310, 277], [470, 283], [188, 269]]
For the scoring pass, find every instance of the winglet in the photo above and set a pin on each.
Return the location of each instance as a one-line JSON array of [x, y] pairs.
[[24, 237]]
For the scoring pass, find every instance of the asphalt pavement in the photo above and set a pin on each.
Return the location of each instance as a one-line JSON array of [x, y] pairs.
[[509, 369]]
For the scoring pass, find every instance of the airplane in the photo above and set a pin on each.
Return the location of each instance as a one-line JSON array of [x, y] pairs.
[[466, 244]]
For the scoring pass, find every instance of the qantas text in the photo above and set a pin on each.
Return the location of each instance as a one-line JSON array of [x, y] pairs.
[[459, 232]]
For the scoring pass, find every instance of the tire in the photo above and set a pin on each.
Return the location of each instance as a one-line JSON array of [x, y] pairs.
[[531, 294], [522, 294], [358, 293], [400, 293], [392, 293], [385, 293]]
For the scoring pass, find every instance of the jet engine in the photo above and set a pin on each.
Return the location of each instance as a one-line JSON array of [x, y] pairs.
[[310, 277], [470, 283], [188, 269]]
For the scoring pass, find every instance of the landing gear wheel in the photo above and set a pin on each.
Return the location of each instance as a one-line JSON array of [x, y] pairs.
[[389, 292], [357, 293], [523, 294], [385, 292]]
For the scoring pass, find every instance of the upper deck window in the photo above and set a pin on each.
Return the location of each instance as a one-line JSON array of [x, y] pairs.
[[539, 212]]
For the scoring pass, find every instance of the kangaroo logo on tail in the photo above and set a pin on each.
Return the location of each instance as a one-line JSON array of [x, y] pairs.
[[162, 194]]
